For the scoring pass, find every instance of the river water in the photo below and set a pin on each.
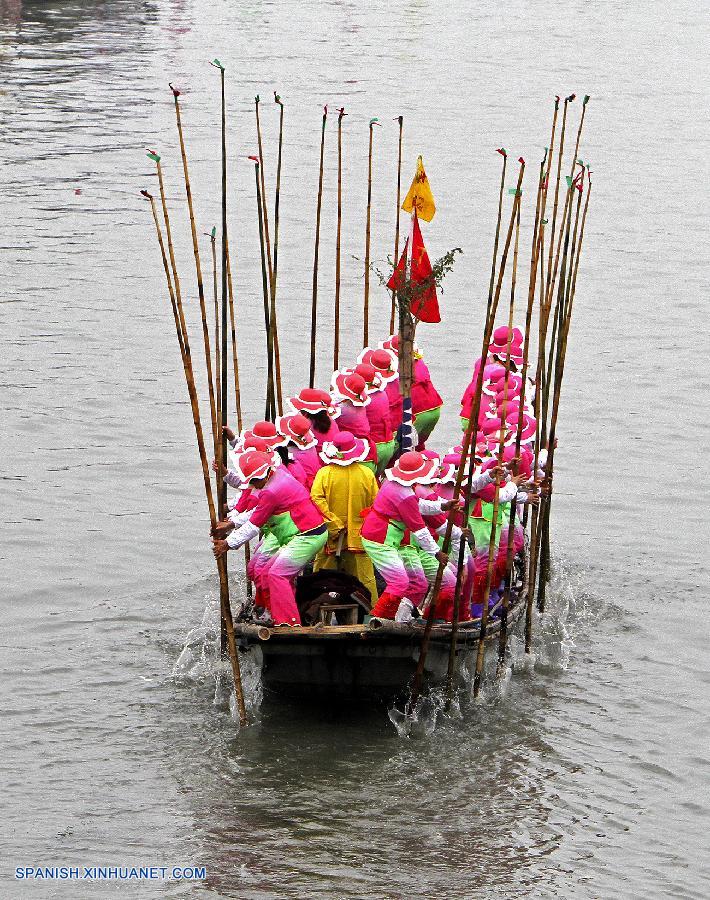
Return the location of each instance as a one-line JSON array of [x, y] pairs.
[[589, 777]]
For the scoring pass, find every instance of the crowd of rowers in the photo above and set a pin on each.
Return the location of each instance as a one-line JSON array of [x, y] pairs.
[[326, 487]]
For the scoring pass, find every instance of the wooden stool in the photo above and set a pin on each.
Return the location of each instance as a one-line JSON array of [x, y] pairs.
[[345, 613]]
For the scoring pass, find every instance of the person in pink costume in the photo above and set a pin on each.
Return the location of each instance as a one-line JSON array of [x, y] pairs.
[[302, 447], [285, 507], [386, 531], [378, 414], [426, 400], [319, 409], [349, 391]]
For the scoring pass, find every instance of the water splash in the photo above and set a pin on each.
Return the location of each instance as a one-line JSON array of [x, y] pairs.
[[567, 607], [200, 660]]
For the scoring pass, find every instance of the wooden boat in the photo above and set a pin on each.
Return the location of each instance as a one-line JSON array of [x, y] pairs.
[[370, 662]]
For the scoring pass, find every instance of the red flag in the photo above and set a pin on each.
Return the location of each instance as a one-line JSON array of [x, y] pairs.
[[425, 305]]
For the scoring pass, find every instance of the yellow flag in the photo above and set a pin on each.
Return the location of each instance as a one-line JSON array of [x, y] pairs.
[[420, 195]]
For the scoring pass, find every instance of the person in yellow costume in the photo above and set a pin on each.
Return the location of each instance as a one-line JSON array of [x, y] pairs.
[[342, 489]]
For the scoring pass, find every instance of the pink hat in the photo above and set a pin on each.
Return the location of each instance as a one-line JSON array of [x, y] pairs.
[[253, 464], [344, 449], [412, 468], [491, 426], [501, 334], [528, 425], [264, 431], [449, 468], [373, 379], [509, 456], [430, 454], [312, 400], [350, 386], [297, 429], [384, 362]]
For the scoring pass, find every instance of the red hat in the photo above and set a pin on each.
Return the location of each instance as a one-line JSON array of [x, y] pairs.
[[254, 464], [412, 468], [392, 344], [384, 362], [264, 431], [312, 400], [344, 449], [298, 430], [350, 386], [373, 379]]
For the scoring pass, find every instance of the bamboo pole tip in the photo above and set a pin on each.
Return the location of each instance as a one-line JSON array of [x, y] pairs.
[[176, 92]]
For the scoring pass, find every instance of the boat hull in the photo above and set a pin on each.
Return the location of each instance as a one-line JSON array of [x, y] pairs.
[[367, 663]]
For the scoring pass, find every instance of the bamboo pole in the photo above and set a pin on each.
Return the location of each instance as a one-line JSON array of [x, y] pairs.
[[184, 343], [366, 304], [272, 279], [399, 119], [493, 542], [338, 231], [235, 356], [314, 300], [467, 445], [563, 331], [270, 413], [217, 358], [471, 460], [198, 269], [277, 205], [222, 493]]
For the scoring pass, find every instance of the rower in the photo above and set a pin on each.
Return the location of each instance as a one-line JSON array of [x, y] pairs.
[[286, 508], [349, 392], [426, 400], [378, 368], [385, 534], [318, 407]]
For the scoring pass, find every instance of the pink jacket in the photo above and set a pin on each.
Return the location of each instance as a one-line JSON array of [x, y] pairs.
[[354, 419], [394, 514], [378, 414], [309, 461], [283, 494], [424, 394]]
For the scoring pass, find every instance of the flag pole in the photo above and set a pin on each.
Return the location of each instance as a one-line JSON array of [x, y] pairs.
[[406, 344], [467, 445], [399, 119], [338, 231], [314, 300], [366, 304]]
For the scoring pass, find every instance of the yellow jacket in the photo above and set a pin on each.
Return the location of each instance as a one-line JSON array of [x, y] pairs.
[[341, 493]]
